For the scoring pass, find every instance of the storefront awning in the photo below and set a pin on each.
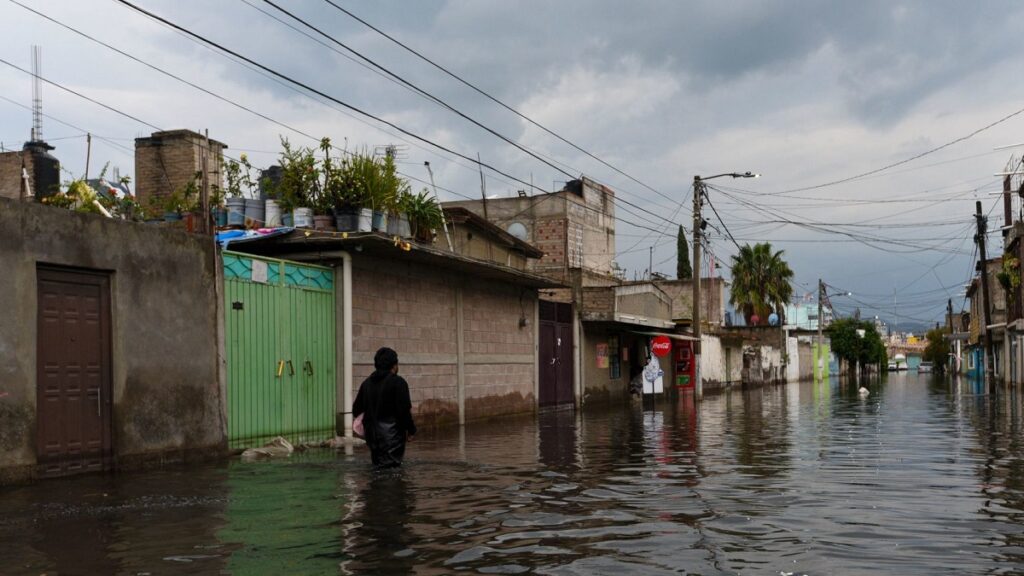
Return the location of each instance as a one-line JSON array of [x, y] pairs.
[[671, 335]]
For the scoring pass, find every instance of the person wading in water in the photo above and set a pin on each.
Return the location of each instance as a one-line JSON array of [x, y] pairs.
[[383, 401]]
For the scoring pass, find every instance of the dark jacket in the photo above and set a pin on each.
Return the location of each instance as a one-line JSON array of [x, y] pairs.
[[385, 401]]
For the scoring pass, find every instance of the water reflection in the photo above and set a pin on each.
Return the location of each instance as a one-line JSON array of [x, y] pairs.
[[925, 475]]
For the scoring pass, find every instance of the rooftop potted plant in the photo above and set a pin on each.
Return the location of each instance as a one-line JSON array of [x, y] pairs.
[[425, 216], [296, 188], [238, 175], [398, 221]]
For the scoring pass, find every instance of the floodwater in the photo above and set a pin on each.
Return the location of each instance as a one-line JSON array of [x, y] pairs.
[[924, 476]]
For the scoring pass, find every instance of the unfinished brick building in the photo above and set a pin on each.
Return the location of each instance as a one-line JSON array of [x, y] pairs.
[[166, 161]]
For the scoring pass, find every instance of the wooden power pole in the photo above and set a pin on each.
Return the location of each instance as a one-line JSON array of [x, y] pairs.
[[698, 190], [986, 309]]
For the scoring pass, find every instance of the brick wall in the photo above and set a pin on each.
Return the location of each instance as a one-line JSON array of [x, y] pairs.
[[412, 308], [549, 237], [166, 161], [10, 174]]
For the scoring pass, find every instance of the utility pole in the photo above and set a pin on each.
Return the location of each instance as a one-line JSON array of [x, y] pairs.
[[483, 185], [88, 153], [821, 322], [650, 263], [987, 312], [949, 315], [949, 326], [698, 191]]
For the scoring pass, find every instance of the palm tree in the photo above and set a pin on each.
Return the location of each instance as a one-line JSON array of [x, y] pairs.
[[760, 282]]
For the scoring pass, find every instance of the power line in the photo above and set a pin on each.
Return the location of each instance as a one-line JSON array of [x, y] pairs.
[[713, 209], [205, 91], [906, 160], [444, 104], [421, 91], [494, 99], [322, 94]]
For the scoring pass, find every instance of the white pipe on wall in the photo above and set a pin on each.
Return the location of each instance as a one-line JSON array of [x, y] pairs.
[[346, 338]]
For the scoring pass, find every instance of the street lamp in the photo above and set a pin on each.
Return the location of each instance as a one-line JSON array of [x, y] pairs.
[[699, 190]]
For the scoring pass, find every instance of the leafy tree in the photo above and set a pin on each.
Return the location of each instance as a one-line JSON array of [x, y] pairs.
[[850, 345], [760, 282], [937, 349], [683, 268]]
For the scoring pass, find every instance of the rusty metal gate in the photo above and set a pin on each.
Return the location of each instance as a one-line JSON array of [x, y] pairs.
[[280, 330], [73, 371]]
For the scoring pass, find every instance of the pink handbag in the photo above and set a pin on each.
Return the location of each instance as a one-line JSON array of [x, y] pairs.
[[357, 426]]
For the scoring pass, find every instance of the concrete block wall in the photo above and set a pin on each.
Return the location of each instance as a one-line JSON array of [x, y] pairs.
[[167, 387], [499, 360], [413, 308]]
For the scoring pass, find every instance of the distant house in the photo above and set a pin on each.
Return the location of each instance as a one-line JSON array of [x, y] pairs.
[[996, 331]]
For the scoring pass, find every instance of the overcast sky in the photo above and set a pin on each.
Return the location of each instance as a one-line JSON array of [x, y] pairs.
[[804, 93]]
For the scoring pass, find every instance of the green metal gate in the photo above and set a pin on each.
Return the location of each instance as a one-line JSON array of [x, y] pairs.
[[280, 350]]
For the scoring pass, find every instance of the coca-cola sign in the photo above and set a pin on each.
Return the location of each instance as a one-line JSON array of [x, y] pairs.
[[661, 346]]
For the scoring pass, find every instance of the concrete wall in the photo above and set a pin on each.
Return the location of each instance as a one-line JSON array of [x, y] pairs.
[[598, 385], [167, 389], [591, 238], [805, 362], [418, 310], [763, 364], [545, 220], [712, 295], [793, 359], [721, 362], [471, 242], [572, 231]]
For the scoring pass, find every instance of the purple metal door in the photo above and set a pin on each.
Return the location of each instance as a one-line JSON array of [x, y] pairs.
[[73, 372], [548, 370], [556, 354], [563, 345]]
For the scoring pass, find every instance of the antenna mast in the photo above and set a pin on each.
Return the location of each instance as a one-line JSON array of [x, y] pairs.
[[37, 94]]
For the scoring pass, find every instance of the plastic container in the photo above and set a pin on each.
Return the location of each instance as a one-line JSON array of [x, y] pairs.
[[380, 221], [273, 214], [236, 211], [255, 212], [346, 220], [365, 223], [303, 217]]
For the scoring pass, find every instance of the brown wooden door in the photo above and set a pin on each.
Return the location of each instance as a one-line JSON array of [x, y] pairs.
[[73, 372]]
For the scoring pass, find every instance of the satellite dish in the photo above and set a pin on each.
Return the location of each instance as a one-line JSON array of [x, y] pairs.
[[773, 319], [518, 230]]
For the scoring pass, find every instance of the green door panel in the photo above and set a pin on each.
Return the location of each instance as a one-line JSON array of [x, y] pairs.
[[280, 332]]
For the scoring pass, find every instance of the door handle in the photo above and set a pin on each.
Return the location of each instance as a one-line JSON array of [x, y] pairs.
[[291, 369], [309, 365], [99, 405], [280, 368]]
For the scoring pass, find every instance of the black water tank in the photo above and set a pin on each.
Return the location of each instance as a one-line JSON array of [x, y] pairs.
[[45, 169], [269, 180]]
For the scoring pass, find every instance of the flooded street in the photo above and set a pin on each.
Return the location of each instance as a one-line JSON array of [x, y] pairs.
[[922, 477]]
